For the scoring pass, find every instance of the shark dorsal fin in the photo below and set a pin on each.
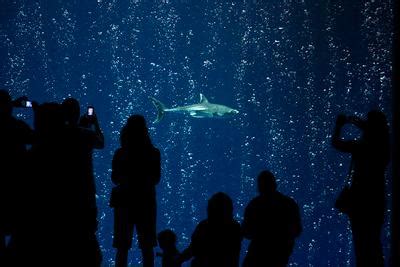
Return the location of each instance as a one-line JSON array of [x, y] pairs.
[[203, 99]]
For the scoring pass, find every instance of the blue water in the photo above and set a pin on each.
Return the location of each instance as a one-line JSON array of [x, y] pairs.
[[288, 66]]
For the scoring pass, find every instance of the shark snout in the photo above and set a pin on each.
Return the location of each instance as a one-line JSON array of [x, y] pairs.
[[235, 111]]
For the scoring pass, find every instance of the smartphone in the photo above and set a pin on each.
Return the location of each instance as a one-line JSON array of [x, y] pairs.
[[90, 111], [27, 104]]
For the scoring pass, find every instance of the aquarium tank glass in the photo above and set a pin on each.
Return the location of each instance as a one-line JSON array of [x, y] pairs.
[[287, 66]]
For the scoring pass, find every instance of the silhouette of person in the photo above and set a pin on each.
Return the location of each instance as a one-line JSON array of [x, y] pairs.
[[216, 241], [272, 223], [45, 216], [15, 135], [77, 148], [136, 170], [370, 157], [170, 255], [60, 209]]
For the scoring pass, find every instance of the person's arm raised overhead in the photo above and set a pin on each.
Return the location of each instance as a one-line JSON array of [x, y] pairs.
[[91, 124], [99, 137]]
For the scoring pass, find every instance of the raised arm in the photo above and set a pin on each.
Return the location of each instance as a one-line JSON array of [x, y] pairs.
[[91, 124], [99, 137]]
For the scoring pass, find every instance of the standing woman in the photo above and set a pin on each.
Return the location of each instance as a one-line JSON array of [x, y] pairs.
[[136, 171], [366, 201]]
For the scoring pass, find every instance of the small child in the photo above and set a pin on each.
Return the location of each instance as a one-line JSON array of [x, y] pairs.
[[170, 254]]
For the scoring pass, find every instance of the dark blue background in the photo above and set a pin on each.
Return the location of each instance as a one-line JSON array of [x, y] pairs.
[[289, 67]]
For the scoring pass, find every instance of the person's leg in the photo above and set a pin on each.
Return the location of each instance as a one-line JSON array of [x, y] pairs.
[[356, 230], [148, 256], [123, 233], [147, 236], [367, 243], [121, 258], [374, 246], [88, 251]]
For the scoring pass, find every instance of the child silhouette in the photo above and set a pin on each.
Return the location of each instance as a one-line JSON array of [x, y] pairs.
[[170, 254]]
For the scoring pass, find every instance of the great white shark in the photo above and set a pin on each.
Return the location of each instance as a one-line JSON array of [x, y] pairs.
[[203, 109]]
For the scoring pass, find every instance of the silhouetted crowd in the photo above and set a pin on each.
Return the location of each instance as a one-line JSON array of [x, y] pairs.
[[48, 212]]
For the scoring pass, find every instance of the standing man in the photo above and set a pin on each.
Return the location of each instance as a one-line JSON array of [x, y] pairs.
[[272, 223], [80, 137]]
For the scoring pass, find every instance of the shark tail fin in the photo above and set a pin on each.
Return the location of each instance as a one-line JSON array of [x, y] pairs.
[[160, 109]]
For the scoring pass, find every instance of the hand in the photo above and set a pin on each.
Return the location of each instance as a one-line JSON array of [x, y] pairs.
[[88, 121], [341, 120], [357, 121], [19, 102], [92, 118]]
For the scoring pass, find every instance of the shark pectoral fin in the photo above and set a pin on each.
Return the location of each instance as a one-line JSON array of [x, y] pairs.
[[195, 114], [198, 108]]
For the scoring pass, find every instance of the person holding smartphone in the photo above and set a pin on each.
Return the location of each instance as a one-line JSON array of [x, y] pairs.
[[370, 157], [15, 135], [82, 134]]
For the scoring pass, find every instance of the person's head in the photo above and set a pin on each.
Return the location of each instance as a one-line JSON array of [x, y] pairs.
[[166, 239], [5, 104], [49, 119], [376, 135], [135, 133], [266, 183], [220, 208], [376, 123], [71, 110]]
